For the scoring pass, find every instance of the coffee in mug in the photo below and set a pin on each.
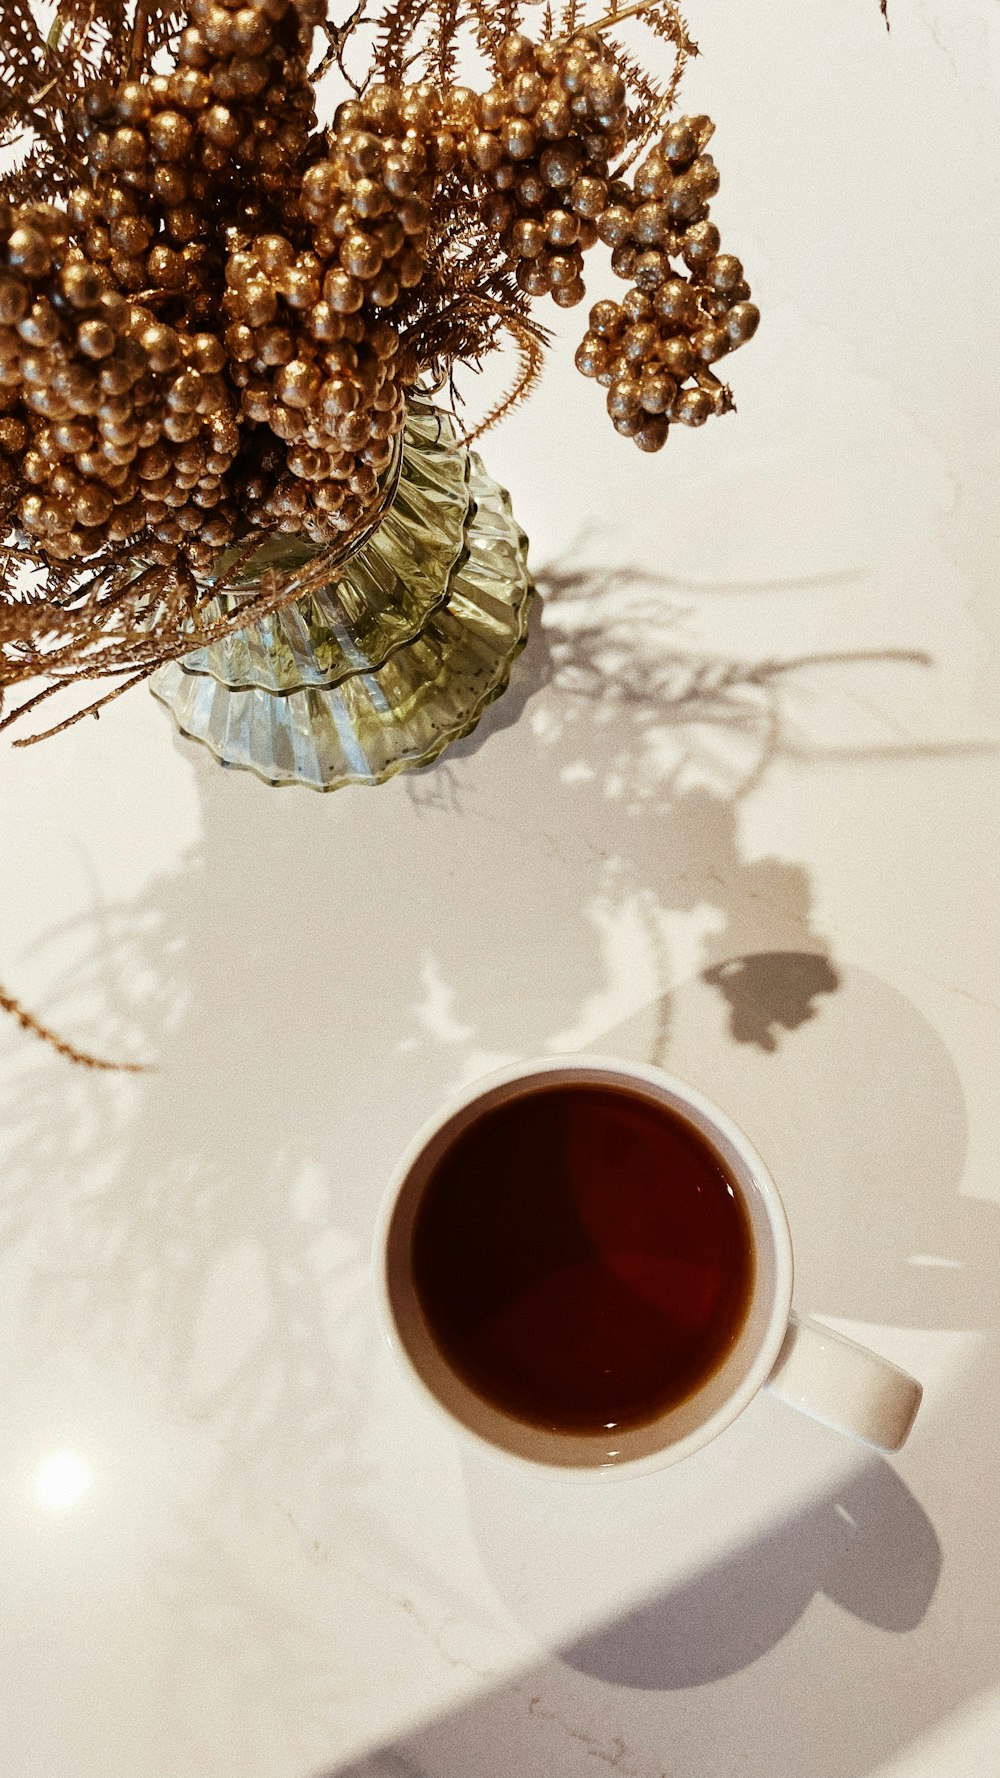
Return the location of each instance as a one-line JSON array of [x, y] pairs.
[[585, 1264], [582, 1256]]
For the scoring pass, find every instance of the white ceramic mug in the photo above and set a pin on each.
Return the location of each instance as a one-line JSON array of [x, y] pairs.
[[830, 1377]]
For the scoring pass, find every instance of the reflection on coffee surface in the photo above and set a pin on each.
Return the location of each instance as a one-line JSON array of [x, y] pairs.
[[582, 1257]]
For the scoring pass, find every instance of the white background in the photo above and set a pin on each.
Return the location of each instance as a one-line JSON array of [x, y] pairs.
[[276, 1565]]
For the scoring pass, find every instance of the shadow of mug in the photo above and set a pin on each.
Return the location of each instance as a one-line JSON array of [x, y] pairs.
[[799, 1688], [869, 1546]]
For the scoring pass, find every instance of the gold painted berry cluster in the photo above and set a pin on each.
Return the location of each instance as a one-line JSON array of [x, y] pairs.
[[210, 331]]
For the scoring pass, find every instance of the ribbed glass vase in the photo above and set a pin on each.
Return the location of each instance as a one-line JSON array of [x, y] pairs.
[[392, 653]]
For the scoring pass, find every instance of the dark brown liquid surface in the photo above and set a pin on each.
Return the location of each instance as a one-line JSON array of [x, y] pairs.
[[582, 1257]]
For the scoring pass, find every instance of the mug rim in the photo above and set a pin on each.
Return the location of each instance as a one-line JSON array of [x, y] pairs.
[[752, 1175]]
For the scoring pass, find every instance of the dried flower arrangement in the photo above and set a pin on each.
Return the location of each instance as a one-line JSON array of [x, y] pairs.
[[211, 309]]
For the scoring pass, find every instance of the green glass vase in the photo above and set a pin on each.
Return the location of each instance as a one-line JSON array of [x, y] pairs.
[[392, 653]]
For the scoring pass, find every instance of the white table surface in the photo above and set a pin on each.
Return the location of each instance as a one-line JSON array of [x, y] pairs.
[[264, 1559]]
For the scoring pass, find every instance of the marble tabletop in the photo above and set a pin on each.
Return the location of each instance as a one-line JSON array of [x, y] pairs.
[[738, 815]]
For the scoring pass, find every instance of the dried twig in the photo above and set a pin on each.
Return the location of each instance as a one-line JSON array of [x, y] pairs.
[[28, 1022]]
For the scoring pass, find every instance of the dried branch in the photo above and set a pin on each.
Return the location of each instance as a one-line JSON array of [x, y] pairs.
[[338, 39]]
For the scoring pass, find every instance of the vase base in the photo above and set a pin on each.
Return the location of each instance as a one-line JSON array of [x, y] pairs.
[[432, 690]]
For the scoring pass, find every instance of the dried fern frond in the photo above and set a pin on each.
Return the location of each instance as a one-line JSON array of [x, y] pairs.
[[397, 31], [531, 358], [494, 22], [83, 1058]]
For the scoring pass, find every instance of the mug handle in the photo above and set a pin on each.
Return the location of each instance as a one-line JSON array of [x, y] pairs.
[[844, 1385]]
